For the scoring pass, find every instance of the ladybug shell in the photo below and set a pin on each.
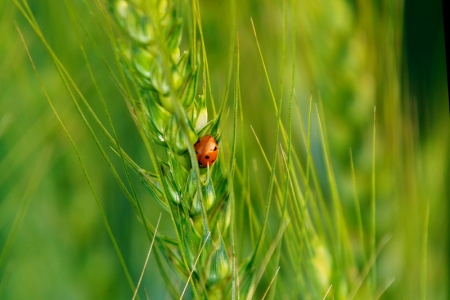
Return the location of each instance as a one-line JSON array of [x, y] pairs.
[[207, 150]]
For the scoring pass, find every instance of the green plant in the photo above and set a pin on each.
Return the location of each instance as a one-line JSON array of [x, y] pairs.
[[168, 112], [285, 212]]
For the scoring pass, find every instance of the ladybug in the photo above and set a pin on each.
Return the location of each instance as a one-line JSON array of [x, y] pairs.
[[207, 150]]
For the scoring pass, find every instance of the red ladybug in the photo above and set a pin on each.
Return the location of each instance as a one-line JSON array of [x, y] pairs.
[[207, 150]]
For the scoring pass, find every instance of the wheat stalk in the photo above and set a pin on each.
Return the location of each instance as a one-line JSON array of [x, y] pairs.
[[171, 114]]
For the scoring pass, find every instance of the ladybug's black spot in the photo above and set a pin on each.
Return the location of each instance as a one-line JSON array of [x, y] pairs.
[[215, 148], [207, 156]]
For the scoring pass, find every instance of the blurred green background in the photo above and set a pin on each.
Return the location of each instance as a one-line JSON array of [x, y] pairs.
[[351, 55]]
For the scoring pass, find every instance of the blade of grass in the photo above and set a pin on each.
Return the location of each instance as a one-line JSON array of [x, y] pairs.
[[146, 259], [334, 192], [372, 202], [195, 264], [342, 243], [265, 261], [174, 293], [235, 279], [368, 267], [206, 76], [270, 284], [285, 191], [264, 66], [423, 279], [357, 208], [328, 291], [383, 288]]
